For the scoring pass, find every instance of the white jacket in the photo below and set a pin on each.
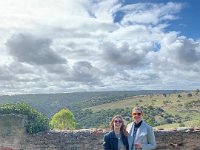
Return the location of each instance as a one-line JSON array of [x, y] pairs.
[[144, 136]]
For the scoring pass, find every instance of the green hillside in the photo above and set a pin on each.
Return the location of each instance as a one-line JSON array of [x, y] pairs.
[[49, 104], [179, 109], [171, 103], [195, 123], [95, 109]]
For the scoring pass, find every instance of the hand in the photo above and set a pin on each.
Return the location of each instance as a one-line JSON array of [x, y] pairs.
[[138, 145]]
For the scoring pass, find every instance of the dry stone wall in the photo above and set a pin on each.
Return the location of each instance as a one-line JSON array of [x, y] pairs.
[[12, 131], [13, 137]]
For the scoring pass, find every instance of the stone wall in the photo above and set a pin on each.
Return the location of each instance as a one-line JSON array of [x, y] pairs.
[[13, 137], [12, 131]]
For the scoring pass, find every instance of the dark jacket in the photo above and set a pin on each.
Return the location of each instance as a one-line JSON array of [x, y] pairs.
[[111, 141]]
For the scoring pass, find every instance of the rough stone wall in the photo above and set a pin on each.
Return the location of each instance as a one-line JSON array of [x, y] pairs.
[[13, 137], [66, 140], [184, 139], [12, 131]]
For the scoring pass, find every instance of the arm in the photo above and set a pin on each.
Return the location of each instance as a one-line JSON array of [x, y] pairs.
[[106, 142], [150, 139]]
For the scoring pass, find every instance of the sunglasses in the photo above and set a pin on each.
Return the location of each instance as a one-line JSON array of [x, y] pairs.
[[118, 121], [134, 114]]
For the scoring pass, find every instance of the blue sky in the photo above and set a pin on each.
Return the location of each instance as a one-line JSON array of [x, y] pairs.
[[188, 23], [98, 45]]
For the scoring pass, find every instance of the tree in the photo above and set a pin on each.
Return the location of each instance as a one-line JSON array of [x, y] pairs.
[[189, 95], [64, 119], [179, 96], [165, 95], [197, 91], [36, 121]]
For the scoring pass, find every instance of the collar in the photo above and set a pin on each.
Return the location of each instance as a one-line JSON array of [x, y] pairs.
[[138, 125], [112, 134]]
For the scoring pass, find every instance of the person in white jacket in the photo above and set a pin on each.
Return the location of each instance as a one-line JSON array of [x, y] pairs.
[[140, 134]]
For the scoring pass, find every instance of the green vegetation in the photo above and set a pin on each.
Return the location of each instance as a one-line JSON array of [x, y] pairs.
[[36, 121], [64, 119], [192, 123], [170, 109], [49, 104], [95, 109], [155, 116]]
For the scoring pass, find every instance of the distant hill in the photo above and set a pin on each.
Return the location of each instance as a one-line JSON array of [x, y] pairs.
[[51, 103], [94, 109]]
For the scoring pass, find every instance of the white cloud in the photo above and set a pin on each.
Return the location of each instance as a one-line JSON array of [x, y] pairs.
[[82, 45], [149, 13], [29, 49], [177, 60], [123, 55]]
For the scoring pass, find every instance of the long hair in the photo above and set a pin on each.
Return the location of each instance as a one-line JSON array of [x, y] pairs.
[[123, 127]]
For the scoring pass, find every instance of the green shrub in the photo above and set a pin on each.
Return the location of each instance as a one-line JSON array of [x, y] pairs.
[[36, 121], [166, 102], [63, 119], [181, 125]]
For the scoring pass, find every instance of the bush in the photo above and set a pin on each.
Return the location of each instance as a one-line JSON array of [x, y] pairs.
[[165, 102], [36, 121], [64, 119], [169, 120], [165, 95], [197, 91], [181, 125], [189, 95]]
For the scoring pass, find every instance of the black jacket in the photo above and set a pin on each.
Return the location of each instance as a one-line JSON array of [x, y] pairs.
[[111, 141]]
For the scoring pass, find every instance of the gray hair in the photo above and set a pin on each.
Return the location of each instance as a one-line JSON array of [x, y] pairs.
[[137, 108]]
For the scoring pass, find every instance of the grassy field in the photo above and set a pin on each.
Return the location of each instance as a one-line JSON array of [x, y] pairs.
[[174, 104], [193, 123]]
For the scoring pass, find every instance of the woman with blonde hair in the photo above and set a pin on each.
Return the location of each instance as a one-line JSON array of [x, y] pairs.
[[116, 139]]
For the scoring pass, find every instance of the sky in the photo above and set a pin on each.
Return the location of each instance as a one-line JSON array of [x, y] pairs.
[[52, 46]]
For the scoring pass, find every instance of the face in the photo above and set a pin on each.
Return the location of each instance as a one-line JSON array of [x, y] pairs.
[[117, 123], [137, 116]]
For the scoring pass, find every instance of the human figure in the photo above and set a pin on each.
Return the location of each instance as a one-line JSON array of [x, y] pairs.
[[116, 139], [140, 134]]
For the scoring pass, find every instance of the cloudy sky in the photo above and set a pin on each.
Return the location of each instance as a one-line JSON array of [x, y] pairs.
[[53, 46]]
